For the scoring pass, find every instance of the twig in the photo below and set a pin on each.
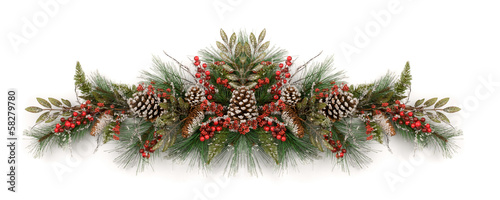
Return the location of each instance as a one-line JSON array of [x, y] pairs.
[[184, 67], [302, 67]]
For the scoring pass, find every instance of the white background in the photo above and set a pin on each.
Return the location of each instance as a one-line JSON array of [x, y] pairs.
[[452, 46]]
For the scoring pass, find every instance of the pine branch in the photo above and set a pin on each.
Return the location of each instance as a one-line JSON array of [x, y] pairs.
[[404, 82], [81, 81]]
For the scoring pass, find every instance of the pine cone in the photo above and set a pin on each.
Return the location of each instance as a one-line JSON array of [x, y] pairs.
[[194, 96], [242, 105], [146, 105], [291, 119], [339, 105], [290, 95]]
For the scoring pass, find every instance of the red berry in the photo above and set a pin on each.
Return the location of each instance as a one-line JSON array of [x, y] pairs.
[[209, 97], [272, 129], [283, 138], [278, 137], [341, 154], [427, 125], [67, 124], [278, 73], [204, 65], [207, 73], [70, 119], [219, 128], [429, 130], [78, 123], [289, 58], [84, 113], [281, 65], [202, 138], [58, 125], [196, 63], [216, 123], [72, 126], [75, 114], [410, 114], [422, 119], [402, 113], [288, 63], [316, 90], [207, 137], [418, 123], [266, 128], [412, 125], [62, 119], [276, 97], [287, 75], [196, 58], [344, 150], [198, 75], [407, 122], [213, 128]]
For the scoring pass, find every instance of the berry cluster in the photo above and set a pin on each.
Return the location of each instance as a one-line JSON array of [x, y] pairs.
[[208, 129], [278, 129], [149, 146], [282, 77], [336, 146], [334, 90], [81, 117], [203, 76]]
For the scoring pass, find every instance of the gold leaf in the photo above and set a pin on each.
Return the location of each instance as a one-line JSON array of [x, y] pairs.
[[223, 35], [262, 35]]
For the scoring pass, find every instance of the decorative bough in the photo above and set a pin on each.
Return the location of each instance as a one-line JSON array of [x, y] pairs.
[[243, 102]]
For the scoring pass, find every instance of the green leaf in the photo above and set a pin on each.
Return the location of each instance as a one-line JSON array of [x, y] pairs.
[[418, 113], [262, 35], [419, 102], [267, 143], [44, 102], [315, 142], [223, 35], [182, 104], [33, 109], [238, 49], [260, 57], [232, 40], [433, 117], [164, 105], [169, 141], [222, 47], [42, 117], [443, 117], [263, 47], [430, 102], [247, 49], [66, 102], [452, 109], [234, 84], [321, 106], [218, 143], [55, 102], [442, 102], [253, 41], [52, 117], [66, 113]]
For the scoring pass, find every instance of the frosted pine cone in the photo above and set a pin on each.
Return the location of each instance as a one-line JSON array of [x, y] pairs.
[[194, 96], [242, 105], [339, 105], [146, 105], [290, 95]]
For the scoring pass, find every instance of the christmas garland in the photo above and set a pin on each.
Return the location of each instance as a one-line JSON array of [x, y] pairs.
[[243, 103]]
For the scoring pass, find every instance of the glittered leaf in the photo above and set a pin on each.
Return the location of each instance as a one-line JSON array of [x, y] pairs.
[[452, 109], [223, 36], [238, 49], [317, 143], [232, 77], [433, 117], [55, 102], [251, 84], [253, 77], [257, 68], [321, 106], [247, 49], [33, 109], [222, 47], [419, 113], [42, 117], [443, 117], [419, 102], [169, 141], [430, 102], [218, 143], [232, 40], [234, 84], [228, 68], [253, 41], [267, 143], [52, 117], [66, 113], [442, 102], [262, 35], [225, 57], [66, 102], [260, 57], [263, 47], [44, 102]]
